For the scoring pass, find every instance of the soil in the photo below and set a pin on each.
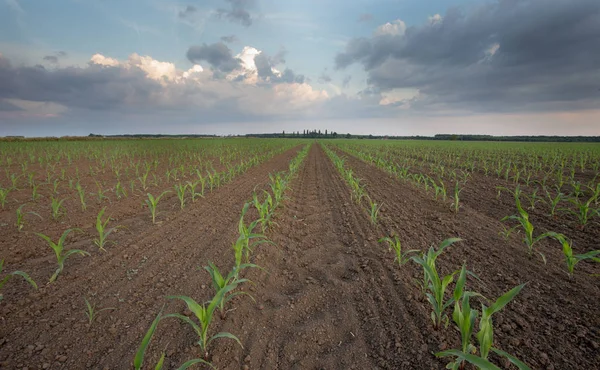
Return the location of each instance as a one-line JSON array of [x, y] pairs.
[[328, 296]]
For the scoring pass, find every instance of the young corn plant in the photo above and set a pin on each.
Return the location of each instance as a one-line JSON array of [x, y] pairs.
[[58, 209], [553, 202], [373, 210], [464, 316], [120, 191], [244, 243], [395, 245], [3, 196], [34, 191], [101, 193], [204, 315], [456, 197], [138, 360], [220, 282], [180, 189], [523, 222], [485, 335], [92, 313], [22, 274], [103, 232], [20, 223], [192, 185], [152, 203], [265, 209], [570, 259], [434, 283], [59, 251], [81, 194], [584, 210]]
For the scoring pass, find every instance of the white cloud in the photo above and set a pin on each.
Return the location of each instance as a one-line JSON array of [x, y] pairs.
[[396, 28], [435, 19]]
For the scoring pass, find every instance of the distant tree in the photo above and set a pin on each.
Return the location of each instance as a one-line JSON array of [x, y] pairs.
[[348, 136], [325, 133]]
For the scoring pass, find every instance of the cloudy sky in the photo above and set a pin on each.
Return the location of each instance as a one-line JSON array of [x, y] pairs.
[[401, 67]]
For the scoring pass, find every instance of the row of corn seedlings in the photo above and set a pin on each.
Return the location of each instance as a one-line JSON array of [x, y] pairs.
[[226, 286], [358, 189]]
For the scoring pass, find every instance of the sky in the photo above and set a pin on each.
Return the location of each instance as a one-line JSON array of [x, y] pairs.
[[385, 67]]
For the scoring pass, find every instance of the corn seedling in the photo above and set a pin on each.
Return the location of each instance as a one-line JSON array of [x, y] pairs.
[[373, 210], [204, 314], [34, 192], [3, 195], [180, 189], [100, 194], [103, 232], [120, 191], [395, 245], [153, 204], [220, 282], [138, 361], [553, 202], [81, 194], [265, 209], [523, 219], [12, 274], [91, 313], [20, 223], [485, 335], [243, 245], [58, 249], [456, 197], [570, 259], [192, 186], [434, 283], [584, 210], [57, 208]]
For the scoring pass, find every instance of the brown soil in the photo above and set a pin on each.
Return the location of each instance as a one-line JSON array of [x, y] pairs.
[[329, 297]]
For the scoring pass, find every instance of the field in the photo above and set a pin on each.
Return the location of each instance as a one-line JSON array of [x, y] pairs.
[[296, 228]]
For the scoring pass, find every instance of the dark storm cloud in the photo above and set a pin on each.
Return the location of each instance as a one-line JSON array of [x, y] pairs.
[[237, 12], [265, 65], [92, 87], [507, 55], [229, 39], [218, 55]]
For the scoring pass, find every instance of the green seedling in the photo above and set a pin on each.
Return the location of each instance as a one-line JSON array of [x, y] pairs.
[[373, 210], [3, 196], [456, 197], [192, 185], [22, 274], [91, 313], [180, 189], [523, 219], [584, 210], [81, 194], [57, 208], [265, 209], [204, 315], [434, 283], [103, 232], [570, 259], [220, 282], [20, 223], [58, 249], [153, 204], [394, 244]]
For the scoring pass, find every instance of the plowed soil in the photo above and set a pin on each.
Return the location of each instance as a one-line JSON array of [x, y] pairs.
[[328, 296]]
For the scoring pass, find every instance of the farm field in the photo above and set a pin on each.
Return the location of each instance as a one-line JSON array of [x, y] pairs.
[[305, 219]]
